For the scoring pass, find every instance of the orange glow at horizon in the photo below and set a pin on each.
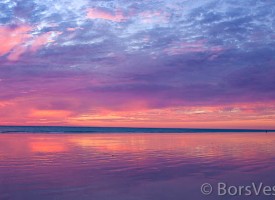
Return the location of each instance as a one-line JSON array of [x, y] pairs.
[[228, 116], [232, 116], [50, 113]]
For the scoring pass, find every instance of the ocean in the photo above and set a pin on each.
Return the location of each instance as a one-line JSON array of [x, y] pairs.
[[134, 164], [68, 129]]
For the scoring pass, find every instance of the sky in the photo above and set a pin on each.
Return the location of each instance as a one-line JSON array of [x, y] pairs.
[[176, 63]]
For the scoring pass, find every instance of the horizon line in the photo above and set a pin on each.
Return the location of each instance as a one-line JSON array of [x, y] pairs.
[[125, 127]]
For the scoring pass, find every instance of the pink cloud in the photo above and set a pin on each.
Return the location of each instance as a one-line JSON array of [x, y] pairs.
[[71, 29], [17, 41], [42, 40], [16, 53], [94, 13], [12, 37]]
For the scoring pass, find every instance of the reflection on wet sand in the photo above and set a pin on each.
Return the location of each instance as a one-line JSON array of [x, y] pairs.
[[202, 145], [47, 147], [119, 166]]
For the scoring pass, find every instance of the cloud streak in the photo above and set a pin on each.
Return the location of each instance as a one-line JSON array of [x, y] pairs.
[[94, 13]]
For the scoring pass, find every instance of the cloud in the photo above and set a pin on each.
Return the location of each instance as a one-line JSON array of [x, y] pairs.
[[199, 46], [124, 55], [19, 39], [11, 37], [60, 114], [97, 13], [155, 17], [42, 40]]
